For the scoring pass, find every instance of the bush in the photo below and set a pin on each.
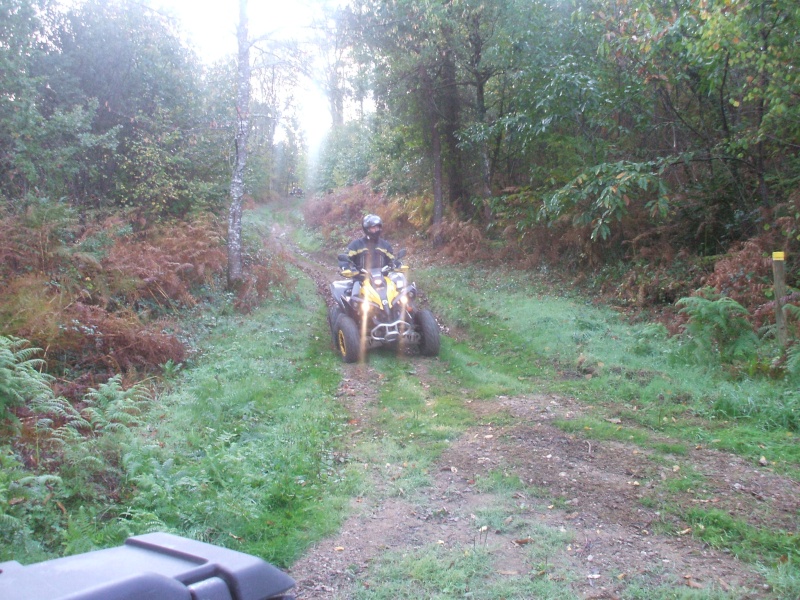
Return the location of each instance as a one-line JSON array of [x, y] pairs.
[[718, 328]]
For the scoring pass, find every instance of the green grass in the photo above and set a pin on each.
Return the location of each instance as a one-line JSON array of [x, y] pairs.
[[644, 389], [439, 572], [241, 449], [246, 446], [499, 482], [524, 340], [721, 530]]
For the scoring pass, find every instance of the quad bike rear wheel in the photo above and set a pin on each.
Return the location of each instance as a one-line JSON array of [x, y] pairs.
[[348, 340], [429, 330]]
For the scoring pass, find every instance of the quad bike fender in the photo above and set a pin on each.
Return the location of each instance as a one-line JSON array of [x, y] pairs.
[[339, 289]]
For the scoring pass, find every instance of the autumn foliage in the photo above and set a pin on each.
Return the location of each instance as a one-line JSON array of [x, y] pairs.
[[96, 294]]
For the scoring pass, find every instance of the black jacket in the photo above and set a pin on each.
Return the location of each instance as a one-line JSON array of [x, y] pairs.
[[365, 254]]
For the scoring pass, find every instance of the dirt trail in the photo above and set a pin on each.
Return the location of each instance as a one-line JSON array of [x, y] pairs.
[[599, 486]]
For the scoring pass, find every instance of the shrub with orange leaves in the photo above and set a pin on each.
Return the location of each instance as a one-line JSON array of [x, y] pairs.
[[460, 241], [93, 295], [163, 264], [342, 211]]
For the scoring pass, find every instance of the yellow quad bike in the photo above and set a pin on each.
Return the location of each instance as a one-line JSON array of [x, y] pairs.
[[376, 308]]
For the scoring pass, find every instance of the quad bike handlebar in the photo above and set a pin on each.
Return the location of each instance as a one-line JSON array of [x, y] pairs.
[[348, 266]]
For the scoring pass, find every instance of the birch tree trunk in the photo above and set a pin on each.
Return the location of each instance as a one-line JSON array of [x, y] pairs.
[[235, 275]]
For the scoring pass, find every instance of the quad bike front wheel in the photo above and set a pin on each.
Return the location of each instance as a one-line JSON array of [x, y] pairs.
[[429, 331], [334, 312], [348, 340]]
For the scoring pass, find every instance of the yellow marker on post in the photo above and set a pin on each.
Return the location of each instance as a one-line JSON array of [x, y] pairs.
[[778, 256]]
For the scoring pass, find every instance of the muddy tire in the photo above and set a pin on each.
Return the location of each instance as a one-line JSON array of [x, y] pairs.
[[334, 312], [429, 330], [348, 340]]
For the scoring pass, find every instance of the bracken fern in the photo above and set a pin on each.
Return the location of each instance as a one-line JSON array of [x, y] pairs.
[[718, 328], [21, 379]]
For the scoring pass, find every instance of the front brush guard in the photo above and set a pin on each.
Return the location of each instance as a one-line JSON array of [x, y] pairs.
[[388, 333]]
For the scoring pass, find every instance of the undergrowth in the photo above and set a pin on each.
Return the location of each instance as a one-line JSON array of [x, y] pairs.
[[242, 452], [99, 293], [84, 463]]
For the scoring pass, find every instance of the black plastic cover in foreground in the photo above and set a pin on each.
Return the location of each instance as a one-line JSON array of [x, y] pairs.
[[156, 566]]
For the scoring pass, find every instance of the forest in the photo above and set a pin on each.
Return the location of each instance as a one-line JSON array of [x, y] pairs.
[[644, 152]]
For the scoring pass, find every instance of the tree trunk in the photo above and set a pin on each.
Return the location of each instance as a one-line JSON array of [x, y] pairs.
[[436, 150], [486, 173], [451, 108], [235, 274], [429, 100]]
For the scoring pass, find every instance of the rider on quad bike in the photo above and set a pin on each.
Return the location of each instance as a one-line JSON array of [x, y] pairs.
[[368, 252], [375, 305]]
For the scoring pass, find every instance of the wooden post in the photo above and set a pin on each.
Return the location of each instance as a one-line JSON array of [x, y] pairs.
[[779, 275]]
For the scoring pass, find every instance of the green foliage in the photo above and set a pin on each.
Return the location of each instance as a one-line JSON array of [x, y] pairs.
[[603, 194], [345, 157], [718, 329], [21, 376], [103, 105], [30, 519], [77, 452], [793, 360]]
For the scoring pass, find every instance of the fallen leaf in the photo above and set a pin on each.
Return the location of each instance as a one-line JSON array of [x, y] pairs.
[[593, 576], [615, 421], [685, 531], [763, 461], [693, 584], [676, 468], [339, 549], [508, 572], [523, 541], [488, 437]]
